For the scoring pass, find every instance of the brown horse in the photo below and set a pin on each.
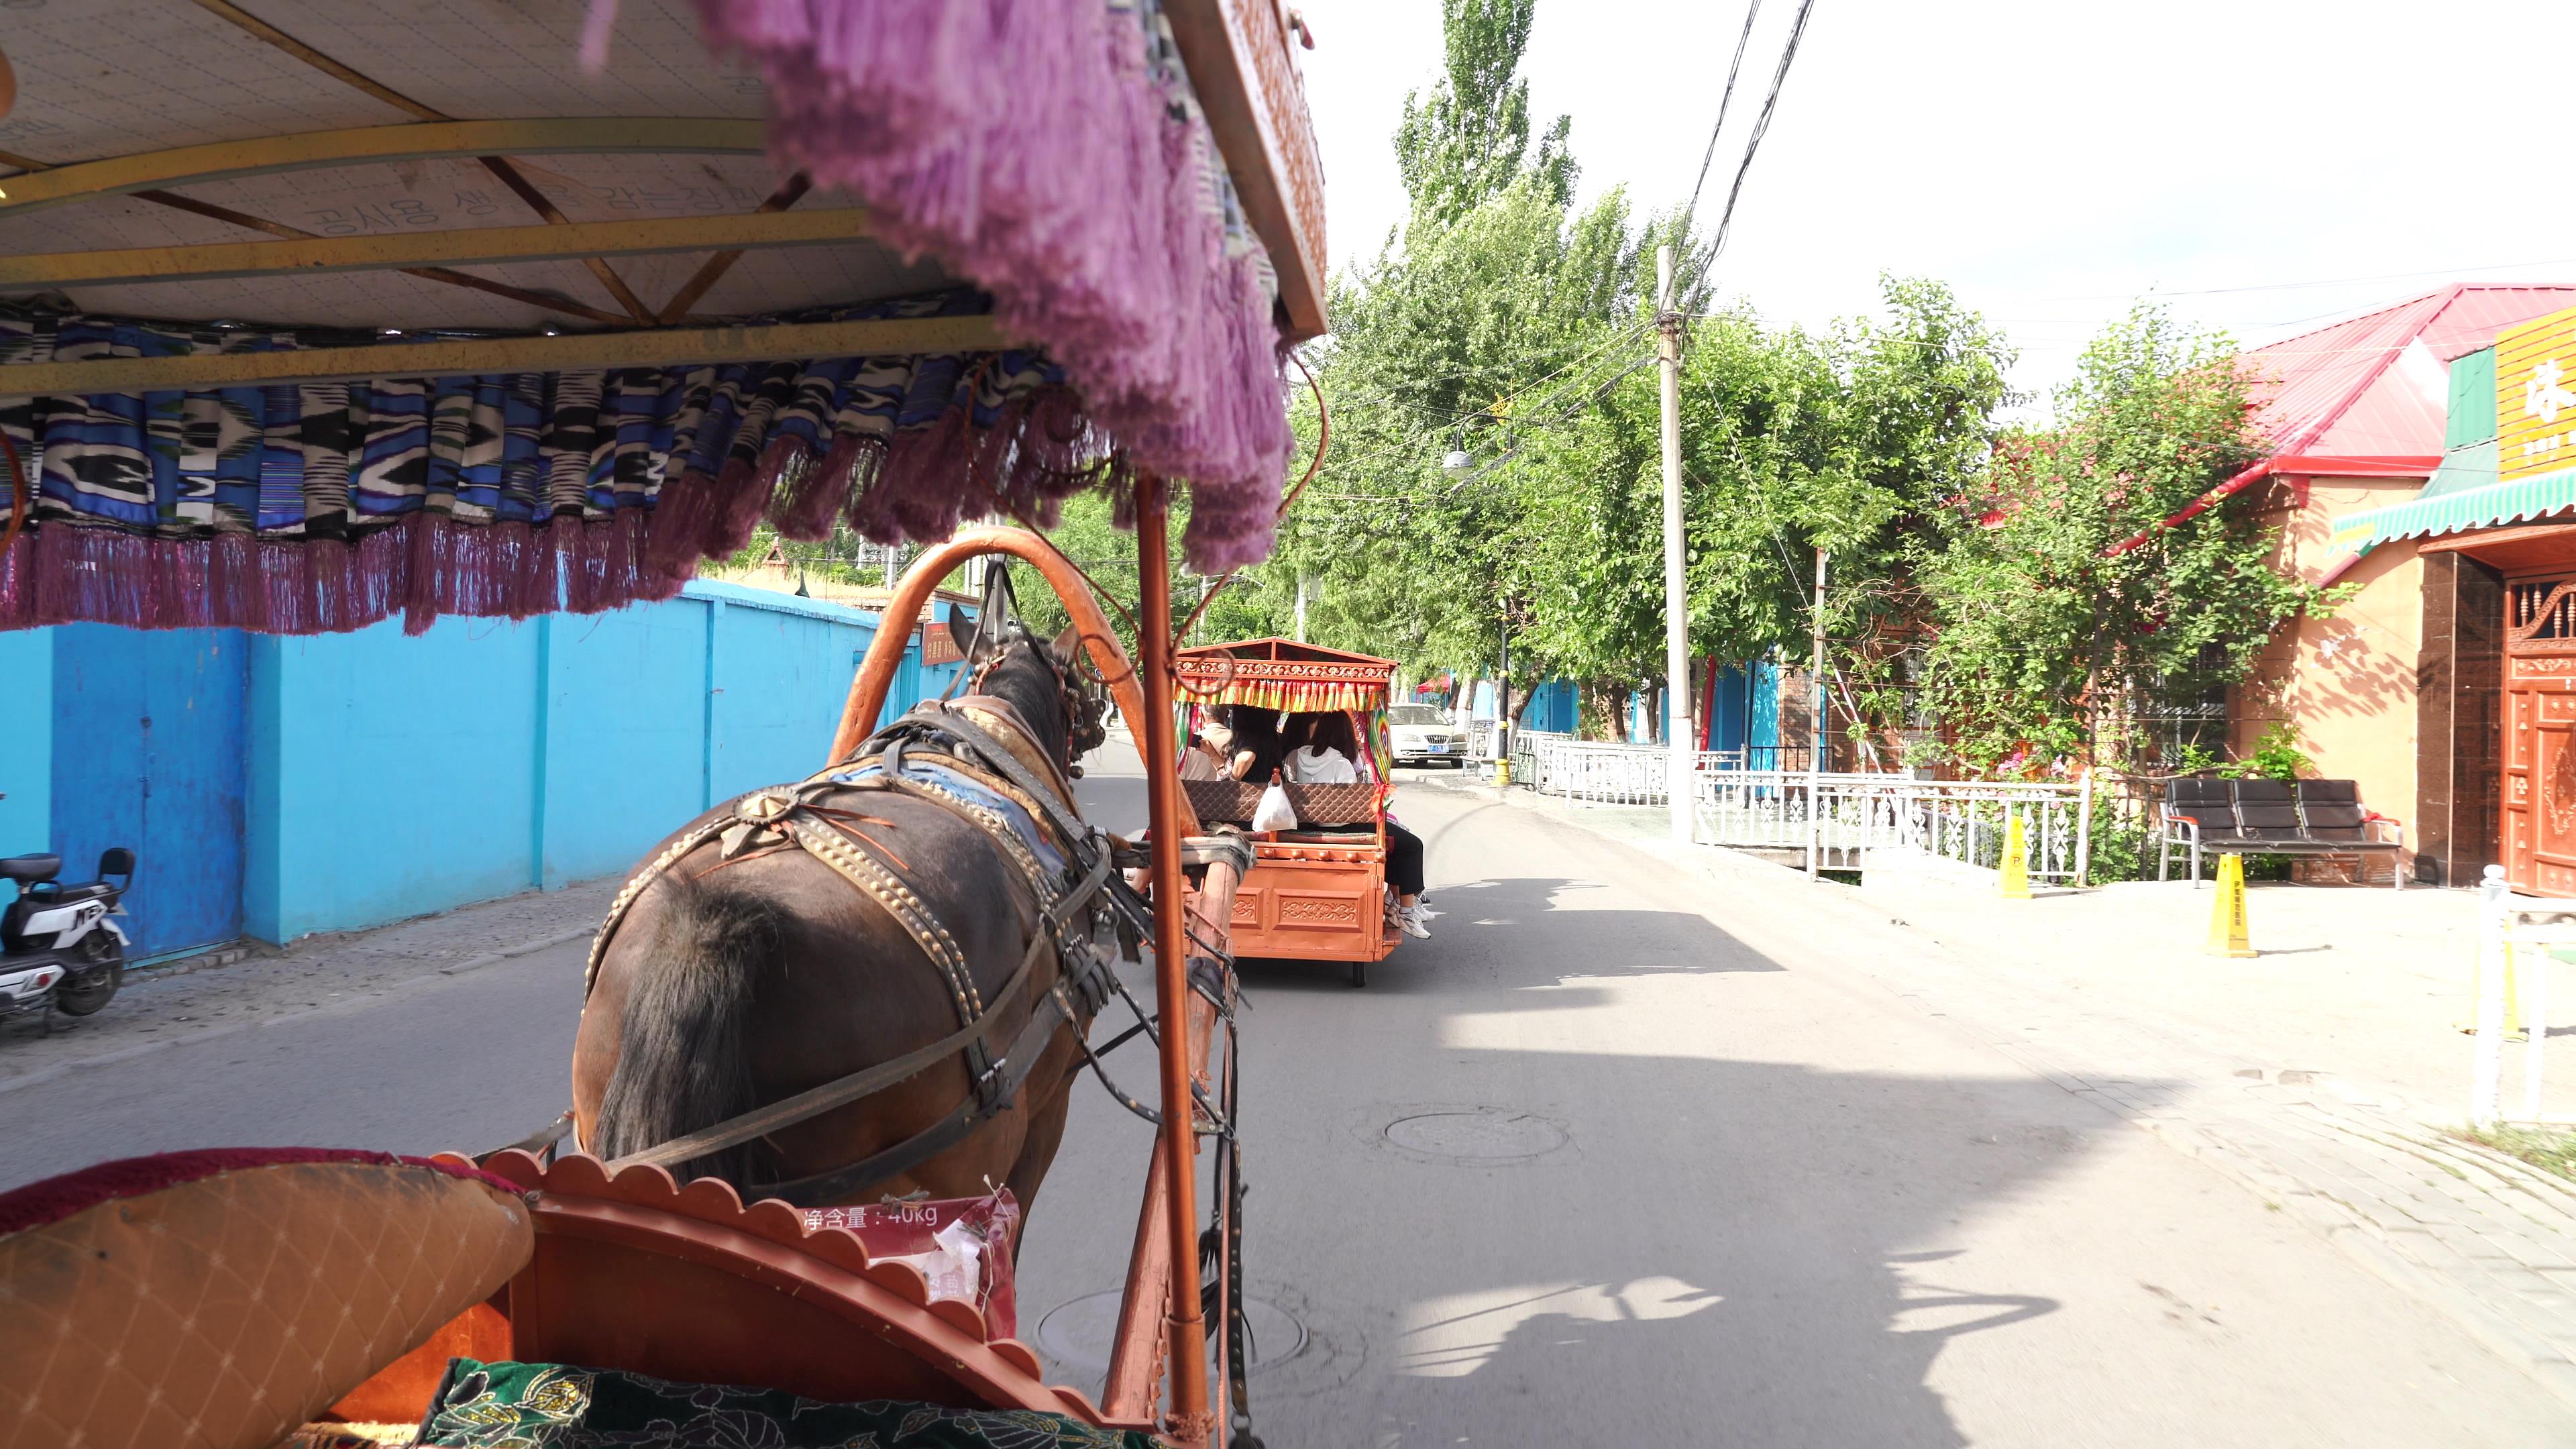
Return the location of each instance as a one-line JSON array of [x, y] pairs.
[[731, 983]]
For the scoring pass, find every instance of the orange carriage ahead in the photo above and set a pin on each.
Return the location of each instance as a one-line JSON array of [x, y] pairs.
[[1317, 892], [530, 310]]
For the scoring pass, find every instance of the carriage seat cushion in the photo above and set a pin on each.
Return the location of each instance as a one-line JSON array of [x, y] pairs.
[[488, 1405], [223, 1298]]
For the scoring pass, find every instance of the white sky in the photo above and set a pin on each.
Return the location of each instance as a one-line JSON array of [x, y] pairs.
[[2050, 159]]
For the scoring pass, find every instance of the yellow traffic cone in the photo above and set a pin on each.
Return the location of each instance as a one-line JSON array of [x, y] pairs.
[[2014, 884], [2227, 934]]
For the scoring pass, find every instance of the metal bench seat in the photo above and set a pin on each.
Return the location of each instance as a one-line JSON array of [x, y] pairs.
[[2268, 817]]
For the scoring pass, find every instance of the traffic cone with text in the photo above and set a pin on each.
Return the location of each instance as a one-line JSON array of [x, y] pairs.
[[2014, 882], [2227, 934]]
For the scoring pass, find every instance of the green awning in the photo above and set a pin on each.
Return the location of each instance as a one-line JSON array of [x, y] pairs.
[[2464, 469], [2463, 504]]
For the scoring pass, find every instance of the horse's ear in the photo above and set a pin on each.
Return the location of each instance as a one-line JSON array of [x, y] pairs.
[[966, 636], [1068, 643]]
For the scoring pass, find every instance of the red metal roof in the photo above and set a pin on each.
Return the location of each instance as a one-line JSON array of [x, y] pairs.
[[2378, 385]]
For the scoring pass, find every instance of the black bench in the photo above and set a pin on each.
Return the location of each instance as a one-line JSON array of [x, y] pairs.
[[2269, 817]]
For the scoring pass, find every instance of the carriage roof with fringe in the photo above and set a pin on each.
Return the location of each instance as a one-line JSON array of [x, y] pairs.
[[311, 312], [1283, 674]]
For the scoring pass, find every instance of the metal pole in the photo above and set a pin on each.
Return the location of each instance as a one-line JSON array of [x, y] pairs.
[[1187, 1339], [1678, 733], [1503, 711], [2486, 1075], [1816, 743], [2084, 829], [2535, 1029]]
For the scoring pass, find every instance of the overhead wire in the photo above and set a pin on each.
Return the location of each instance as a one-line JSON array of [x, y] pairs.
[[1761, 126], [1725, 97]]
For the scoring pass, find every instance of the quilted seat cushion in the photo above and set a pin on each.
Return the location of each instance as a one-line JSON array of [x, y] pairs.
[[218, 1300]]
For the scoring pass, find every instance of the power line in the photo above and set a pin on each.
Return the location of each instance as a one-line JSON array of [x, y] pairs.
[[1761, 124], [1750, 10]]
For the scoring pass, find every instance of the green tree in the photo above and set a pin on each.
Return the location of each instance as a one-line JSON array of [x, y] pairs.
[[1468, 137], [2059, 604]]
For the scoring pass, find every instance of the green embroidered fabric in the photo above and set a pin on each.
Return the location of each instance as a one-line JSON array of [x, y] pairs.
[[558, 1406]]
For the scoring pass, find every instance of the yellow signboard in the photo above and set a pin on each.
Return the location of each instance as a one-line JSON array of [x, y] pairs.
[[2536, 397]]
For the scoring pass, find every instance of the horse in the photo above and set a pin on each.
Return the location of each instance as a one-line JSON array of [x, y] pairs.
[[747, 970]]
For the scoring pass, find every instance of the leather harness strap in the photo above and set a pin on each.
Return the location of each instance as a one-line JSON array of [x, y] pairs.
[[842, 1091], [794, 815]]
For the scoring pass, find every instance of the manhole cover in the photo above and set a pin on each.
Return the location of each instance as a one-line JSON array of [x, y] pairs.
[[1080, 1332], [1476, 1134]]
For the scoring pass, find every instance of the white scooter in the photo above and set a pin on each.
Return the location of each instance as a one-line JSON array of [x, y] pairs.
[[60, 945]]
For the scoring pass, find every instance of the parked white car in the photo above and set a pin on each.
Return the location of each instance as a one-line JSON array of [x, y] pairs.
[[1422, 735]]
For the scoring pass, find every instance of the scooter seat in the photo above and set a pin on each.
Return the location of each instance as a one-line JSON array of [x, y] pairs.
[[29, 868]]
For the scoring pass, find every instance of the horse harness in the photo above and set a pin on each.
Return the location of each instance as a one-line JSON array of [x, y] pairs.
[[977, 745]]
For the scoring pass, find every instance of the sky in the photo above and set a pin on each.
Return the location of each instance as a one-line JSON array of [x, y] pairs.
[[2265, 166]]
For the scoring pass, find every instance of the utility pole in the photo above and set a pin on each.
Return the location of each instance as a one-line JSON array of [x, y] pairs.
[[1816, 665], [1301, 606], [1816, 742], [1678, 734]]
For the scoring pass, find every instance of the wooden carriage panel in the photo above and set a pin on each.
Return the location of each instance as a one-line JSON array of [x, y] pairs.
[[1301, 909], [630, 1306]]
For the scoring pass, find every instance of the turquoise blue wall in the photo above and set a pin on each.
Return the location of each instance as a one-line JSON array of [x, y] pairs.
[[415, 774], [1552, 707], [26, 741], [389, 776]]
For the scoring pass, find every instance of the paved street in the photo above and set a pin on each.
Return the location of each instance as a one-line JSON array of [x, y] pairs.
[[1588, 1167]]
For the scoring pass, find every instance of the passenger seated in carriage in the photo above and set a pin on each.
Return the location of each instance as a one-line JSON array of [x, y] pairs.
[[1237, 743], [1322, 754]]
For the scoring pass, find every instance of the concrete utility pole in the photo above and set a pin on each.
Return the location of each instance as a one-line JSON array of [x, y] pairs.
[[1678, 736], [1816, 742], [1301, 606], [1816, 665]]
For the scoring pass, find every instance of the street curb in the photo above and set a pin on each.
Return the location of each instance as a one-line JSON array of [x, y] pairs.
[[127, 1053], [477, 963]]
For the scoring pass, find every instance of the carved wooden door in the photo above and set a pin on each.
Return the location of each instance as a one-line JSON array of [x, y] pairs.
[[2540, 734]]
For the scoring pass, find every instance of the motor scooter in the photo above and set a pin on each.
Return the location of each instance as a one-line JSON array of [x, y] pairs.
[[60, 945]]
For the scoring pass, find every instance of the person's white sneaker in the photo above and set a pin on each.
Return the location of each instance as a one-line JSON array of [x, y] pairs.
[[1412, 924]]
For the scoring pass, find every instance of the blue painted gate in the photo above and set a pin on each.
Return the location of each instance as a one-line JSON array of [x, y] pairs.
[[148, 752]]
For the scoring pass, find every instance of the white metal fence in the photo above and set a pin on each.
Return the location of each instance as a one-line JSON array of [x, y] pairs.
[[1837, 821], [1833, 820]]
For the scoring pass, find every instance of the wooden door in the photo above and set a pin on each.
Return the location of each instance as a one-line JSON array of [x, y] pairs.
[[2540, 734]]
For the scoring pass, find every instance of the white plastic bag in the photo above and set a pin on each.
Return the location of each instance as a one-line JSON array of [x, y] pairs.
[[1274, 812]]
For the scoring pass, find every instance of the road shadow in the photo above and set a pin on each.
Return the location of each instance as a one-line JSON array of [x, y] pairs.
[[1717, 1252], [1489, 930]]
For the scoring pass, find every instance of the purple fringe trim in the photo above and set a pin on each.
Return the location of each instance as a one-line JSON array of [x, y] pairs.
[[422, 567], [989, 132]]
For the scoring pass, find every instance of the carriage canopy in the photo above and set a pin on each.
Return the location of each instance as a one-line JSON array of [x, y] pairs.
[[314, 312], [1284, 675]]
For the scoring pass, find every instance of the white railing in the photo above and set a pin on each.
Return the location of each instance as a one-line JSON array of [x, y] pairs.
[[1837, 821], [1600, 773], [1833, 820]]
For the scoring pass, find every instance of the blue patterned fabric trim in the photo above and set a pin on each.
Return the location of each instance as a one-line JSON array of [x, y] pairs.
[[334, 460]]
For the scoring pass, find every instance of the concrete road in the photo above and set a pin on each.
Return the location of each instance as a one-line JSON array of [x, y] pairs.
[[1583, 1169]]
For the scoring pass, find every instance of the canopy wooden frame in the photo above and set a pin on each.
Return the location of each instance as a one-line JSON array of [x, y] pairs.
[[1160, 1321]]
